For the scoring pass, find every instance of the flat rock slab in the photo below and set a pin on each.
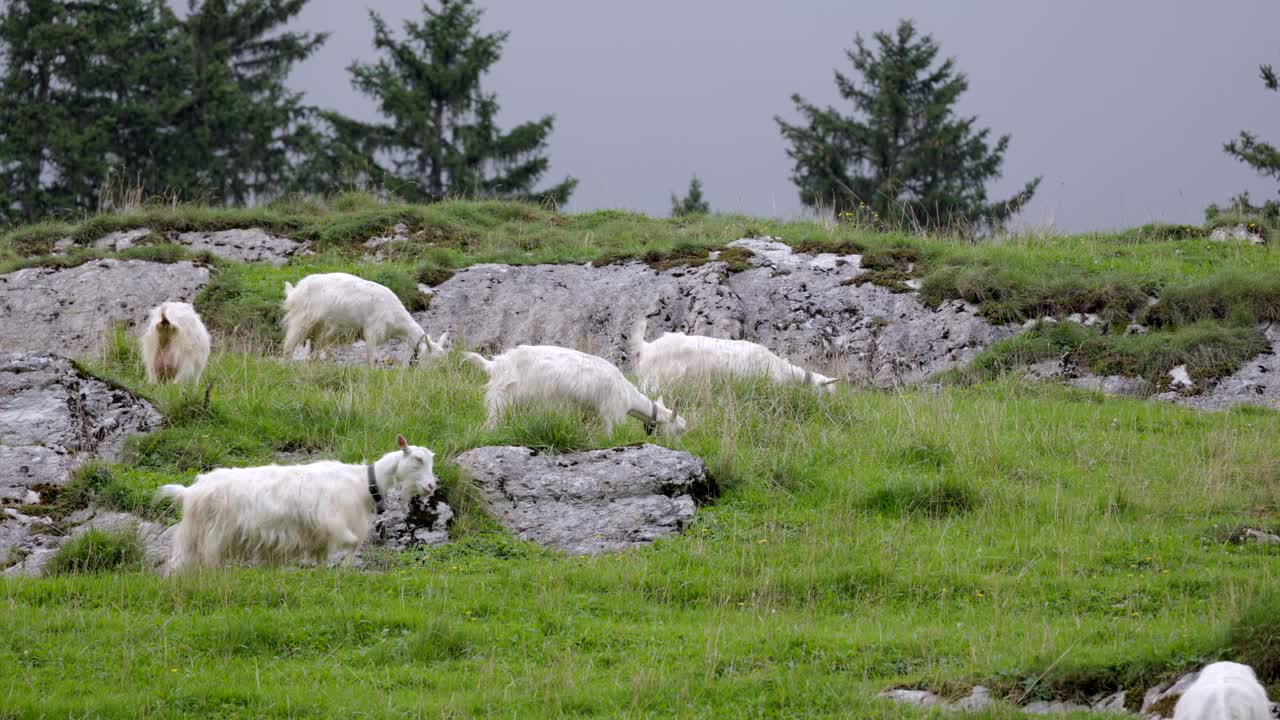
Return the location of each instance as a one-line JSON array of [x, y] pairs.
[[68, 311], [246, 245], [34, 541], [45, 401], [589, 502], [804, 307]]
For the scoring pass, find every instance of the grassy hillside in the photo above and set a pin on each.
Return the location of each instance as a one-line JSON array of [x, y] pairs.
[[1042, 541]]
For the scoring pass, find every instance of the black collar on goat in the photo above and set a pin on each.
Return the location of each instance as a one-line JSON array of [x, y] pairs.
[[373, 489]]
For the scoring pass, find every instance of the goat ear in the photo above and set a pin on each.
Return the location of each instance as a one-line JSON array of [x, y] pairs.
[[675, 409], [404, 446], [444, 338]]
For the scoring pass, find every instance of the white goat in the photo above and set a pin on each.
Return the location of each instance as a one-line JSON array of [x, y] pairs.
[[676, 356], [280, 513], [551, 375], [1224, 691], [332, 307], [175, 345]]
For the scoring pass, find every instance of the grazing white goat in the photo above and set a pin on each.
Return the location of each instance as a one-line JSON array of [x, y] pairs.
[[676, 356], [175, 345], [1224, 691], [553, 375], [332, 307], [281, 513]]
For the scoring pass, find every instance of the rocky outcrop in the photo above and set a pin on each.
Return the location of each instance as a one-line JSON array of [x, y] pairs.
[[1258, 382], [593, 501], [45, 401], [247, 245], [421, 521], [1239, 233], [52, 417], [34, 541], [1157, 702], [69, 310], [805, 307]]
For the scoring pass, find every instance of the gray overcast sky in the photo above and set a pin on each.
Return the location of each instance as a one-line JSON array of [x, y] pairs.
[[1122, 105]]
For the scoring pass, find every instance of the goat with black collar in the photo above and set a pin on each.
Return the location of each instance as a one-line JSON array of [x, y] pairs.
[[281, 513]]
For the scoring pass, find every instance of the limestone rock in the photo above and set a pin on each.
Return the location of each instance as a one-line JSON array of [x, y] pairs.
[[244, 245], [1111, 384], [1238, 232], [593, 501], [68, 310], [28, 470], [1257, 382], [803, 307], [121, 239], [1180, 379], [45, 401], [420, 521]]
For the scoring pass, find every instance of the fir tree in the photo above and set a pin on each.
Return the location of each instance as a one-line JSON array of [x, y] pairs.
[[692, 203], [903, 152], [1259, 155], [241, 127], [87, 89], [441, 138]]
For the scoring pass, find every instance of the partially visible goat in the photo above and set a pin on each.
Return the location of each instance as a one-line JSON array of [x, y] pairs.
[[544, 374], [280, 513], [1224, 691], [676, 356], [333, 307], [175, 345]]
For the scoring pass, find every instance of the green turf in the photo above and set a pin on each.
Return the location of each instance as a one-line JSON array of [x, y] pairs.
[[1036, 539], [1046, 542]]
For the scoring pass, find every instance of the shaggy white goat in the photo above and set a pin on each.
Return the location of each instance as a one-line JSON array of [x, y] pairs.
[[1224, 691], [175, 345], [332, 307], [676, 356], [280, 513], [552, 375]]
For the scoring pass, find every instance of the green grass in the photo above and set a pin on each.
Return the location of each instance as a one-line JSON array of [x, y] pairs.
[[1039, 540], [1047, 542], [97, 551]]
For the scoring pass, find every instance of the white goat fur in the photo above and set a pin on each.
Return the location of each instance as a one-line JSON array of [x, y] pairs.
[[676, 356], [175, 345], [1224, 691], [281, 513], [337, 307], [548, 375]]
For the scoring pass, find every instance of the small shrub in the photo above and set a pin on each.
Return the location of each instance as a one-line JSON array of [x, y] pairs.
[[932, 499], [440, 641], [230, 305], [814, 246], [1244, 299], [737, 259], [97, 551], [432, 275]]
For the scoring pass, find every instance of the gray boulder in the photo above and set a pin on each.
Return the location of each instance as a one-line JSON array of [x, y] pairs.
[[68, 310], [243, 245], [593, 501], [45, 401], [120, 240], [804, 307]]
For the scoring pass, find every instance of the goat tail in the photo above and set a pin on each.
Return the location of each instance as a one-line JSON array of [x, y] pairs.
[[635, 341], [176, 492], [478, 360]]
